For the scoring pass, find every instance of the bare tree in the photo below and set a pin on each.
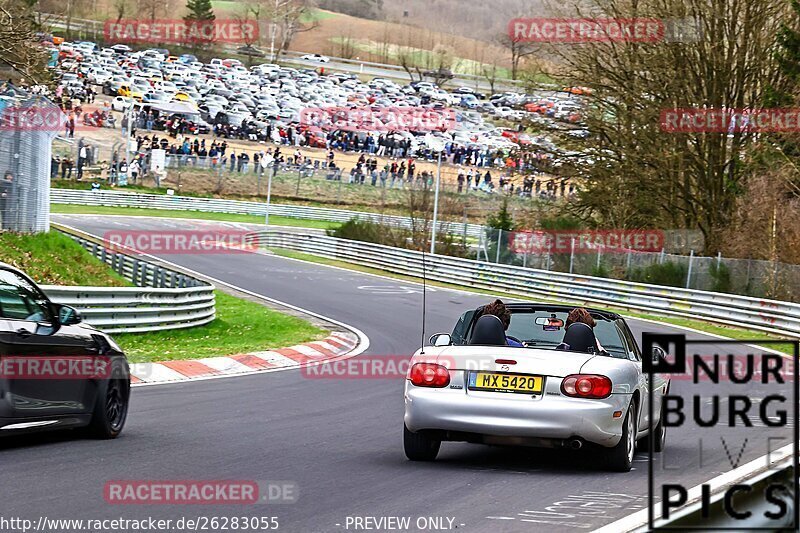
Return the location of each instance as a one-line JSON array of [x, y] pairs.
[[19, 48], [519, 50], [286, 19], [121, 8], [638, 174], [151, 7]]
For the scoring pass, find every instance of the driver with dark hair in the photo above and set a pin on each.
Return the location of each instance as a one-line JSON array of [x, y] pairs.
[[499, 309]]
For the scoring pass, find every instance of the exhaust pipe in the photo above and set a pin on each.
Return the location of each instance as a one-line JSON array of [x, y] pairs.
[[575, 444]]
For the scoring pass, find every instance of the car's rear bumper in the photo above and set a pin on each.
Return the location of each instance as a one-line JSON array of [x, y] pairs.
[[557, 418]]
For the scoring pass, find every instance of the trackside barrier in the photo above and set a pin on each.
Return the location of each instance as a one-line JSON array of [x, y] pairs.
[[771, 316], [164, 299], [751, 502], [217, 205]]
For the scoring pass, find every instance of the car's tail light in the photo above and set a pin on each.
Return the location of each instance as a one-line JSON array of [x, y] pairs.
[[429, 375], [586, 386]]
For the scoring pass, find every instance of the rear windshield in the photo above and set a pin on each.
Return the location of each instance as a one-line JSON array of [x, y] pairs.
[[523, 326]]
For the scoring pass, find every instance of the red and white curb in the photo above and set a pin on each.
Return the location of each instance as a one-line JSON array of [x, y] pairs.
[[337, 345]]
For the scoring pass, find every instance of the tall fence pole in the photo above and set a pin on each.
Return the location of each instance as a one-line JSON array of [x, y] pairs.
[[269, 192], [499, 241], [571, 254], [689, 271]]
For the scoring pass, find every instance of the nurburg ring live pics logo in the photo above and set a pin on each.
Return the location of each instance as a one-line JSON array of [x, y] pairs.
[[730, 414]]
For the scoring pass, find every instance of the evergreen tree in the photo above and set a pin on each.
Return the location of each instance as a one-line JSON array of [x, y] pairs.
[[502, 219], [199, 10]]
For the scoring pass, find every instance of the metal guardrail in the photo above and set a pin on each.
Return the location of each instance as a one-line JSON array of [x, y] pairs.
[[751, 501], [771, 316], [217, 205], [164, 299]]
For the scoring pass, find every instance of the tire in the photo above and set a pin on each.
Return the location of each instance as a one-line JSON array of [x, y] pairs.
[[111, 404], [620, 457], [420, 447]]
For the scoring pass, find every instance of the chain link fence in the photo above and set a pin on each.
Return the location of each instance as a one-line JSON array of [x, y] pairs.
[[28, 124], [668, 258]]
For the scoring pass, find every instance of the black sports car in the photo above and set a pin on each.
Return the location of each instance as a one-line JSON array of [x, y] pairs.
[[55, 370]]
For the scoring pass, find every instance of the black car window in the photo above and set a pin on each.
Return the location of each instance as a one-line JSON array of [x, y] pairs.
[[21, 300], [631, 340], [459, 335]]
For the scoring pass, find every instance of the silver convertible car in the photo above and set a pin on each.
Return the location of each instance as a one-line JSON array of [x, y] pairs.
[[565, 387]]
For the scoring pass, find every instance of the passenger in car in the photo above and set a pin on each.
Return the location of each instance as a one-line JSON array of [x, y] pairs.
[[499, 309], [581, 315]]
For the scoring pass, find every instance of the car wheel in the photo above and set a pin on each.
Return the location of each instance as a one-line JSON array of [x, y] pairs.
[[420, 447], [111, 404], [620, 457]]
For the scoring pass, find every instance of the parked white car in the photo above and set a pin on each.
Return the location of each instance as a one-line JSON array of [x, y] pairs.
[[316, 57]]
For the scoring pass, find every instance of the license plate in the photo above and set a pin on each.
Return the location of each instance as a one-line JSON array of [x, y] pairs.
[[492, 381]]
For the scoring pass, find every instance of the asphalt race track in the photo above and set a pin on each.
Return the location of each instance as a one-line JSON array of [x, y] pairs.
[[338, 440]]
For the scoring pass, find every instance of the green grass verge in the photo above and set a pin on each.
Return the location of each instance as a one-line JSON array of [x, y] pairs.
[[55, 259], [241, 326], [169, 213], [725, 331]]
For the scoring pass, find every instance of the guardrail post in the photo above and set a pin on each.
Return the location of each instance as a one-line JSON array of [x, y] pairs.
[[134, 271], [571, 254], [661, 258], [689, 270], [599, 253]]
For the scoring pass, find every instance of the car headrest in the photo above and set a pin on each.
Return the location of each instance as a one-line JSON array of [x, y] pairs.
[[580, 338], [488, 331]]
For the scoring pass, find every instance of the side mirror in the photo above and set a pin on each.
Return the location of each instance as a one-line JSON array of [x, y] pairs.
[[440, 339], [68, 316], [658, 355]]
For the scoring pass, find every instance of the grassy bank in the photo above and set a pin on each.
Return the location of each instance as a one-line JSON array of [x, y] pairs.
[[240, 326], [55, 259]]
